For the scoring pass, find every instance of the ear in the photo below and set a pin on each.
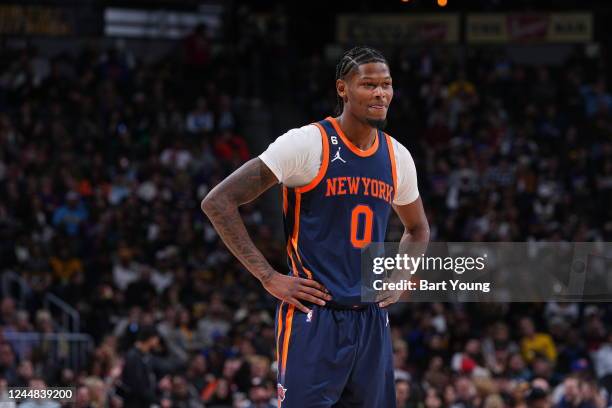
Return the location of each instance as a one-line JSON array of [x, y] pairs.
[[341, 89]]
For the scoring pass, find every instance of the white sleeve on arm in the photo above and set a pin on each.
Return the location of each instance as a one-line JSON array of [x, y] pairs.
[[295, 157], [407, 186]]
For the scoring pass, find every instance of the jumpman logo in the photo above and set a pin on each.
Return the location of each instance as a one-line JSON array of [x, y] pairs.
[[337, 156]]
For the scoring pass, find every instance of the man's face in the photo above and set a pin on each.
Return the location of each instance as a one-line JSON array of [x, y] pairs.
[[259, 395], [367, 92], [527, 327], [152, 344], [402, 392], [7, 358], [83, 398], [571, 389]]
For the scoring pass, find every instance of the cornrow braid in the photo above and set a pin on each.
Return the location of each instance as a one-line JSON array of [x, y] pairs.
[[352, 59]]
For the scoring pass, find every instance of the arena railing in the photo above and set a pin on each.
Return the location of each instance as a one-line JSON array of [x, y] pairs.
[[18, 288], [53, 349]]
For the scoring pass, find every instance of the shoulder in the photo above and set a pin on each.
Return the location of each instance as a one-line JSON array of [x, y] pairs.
[[308, 134], [407, 183], [400, 151], [304, 140], [294, 157]]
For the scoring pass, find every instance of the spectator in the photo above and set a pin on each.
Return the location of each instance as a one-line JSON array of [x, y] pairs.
[[592, 395], [214, 323], [400, 358], [538, 398], [572, 395], [227, 120], [82, 398], [466, 393], [25, 374], [260, 395], [197, 48], [7, 311], [402, 393], [602, 358], [70, 216], [200, 119], [231, 147], [432, 399], [534, 343], [138, 379], [8, 364], [197, 372], [184, 395], [218, 394], [97, 391], [125, 269], [493, 401], [596, 98], [38, 384], [517, 368], [65, 265]]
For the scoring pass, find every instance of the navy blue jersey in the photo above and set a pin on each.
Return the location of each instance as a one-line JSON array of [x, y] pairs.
[[342, 210]]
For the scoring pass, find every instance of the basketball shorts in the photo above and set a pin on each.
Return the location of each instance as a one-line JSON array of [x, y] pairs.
[[334, 357]]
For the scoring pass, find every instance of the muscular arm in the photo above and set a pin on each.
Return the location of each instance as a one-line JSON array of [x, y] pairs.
[[416, 227], [414, 240], [221, 206]]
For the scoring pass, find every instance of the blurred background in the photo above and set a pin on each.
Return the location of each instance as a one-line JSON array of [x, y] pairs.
[[117, 117]]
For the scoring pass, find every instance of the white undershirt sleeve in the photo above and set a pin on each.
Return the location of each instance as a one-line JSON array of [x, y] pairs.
[[407, 185], [295, 157]]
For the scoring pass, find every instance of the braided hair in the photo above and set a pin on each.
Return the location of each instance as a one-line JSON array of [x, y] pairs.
[[352, 59]]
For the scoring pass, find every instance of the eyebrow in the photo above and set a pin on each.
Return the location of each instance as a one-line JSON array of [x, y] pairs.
[[371, 78]]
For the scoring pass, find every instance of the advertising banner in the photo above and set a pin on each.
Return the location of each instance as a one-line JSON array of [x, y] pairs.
[[394, 29], [529, 28]]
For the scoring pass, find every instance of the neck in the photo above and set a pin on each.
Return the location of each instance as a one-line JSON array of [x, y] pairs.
[[360, 133]]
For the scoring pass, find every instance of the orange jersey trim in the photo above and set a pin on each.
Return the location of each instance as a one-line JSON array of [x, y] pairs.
[[296, 272], [324, 163], [295, 237], [288, 324], [304, 189], [280, 329], [361, 153], [296, 219], [393, 168]]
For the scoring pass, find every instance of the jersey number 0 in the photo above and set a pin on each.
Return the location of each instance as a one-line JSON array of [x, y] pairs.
[[361, 214]]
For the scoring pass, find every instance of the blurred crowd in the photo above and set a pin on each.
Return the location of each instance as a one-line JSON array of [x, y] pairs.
[[104, 160]]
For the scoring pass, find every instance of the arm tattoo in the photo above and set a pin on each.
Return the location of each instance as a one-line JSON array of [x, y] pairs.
[[221, 206]]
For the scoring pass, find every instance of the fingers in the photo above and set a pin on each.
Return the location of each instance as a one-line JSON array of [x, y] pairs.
[[315, 292], [386, 303], [313, 284], [299, 305], [380, 296], [386, 300], [310, 298]]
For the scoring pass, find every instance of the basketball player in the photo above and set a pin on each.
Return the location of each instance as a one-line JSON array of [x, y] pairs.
[[340, 179]]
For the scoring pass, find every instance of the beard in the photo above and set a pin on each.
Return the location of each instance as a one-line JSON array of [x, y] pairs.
[[379, 124]]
